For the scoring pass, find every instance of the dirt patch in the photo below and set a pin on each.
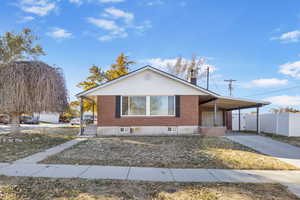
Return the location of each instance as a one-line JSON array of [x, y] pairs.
[[174, 152], [23, 188]]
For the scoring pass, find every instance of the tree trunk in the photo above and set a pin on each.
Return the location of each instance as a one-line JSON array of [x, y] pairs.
[[15, 123]]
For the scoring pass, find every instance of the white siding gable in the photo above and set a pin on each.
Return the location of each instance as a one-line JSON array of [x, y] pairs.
[[147, 82]]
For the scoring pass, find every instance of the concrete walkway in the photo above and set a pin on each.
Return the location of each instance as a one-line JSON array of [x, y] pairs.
[[282, 151], [149, 174], [35, 158]]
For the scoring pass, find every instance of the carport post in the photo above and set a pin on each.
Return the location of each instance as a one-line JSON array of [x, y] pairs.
[[93, 112], [215, 113], [239, 120], [257, 120], [224, 118], [81, 116]]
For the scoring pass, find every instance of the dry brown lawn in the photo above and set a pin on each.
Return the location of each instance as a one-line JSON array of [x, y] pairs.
[[290, 140], [174, 152], [14, 147], [17, 188]]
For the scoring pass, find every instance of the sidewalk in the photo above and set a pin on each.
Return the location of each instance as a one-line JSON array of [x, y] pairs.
[[149, 174], [282, 151], [35, 158]]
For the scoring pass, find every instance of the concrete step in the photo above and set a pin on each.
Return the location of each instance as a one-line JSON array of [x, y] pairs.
[[90, 131]]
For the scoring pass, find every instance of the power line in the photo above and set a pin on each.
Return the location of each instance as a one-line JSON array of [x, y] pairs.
[[273, 91], [230, 86]]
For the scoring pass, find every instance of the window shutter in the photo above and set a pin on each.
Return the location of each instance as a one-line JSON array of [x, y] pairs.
[[118, 107], [177, 106]]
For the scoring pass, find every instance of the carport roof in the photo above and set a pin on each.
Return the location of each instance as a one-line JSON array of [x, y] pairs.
[[231, 103]]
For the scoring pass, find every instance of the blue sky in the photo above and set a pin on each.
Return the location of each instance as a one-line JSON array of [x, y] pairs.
[[255, 42]]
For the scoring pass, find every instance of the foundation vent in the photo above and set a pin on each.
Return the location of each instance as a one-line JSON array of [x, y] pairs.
[[124, 129], [172, 129]]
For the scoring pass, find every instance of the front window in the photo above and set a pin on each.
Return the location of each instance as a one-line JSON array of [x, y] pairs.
[[133, 105], [161, 105], [148, 105]]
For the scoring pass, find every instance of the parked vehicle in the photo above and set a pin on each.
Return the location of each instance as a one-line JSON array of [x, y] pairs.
[[87, 119], [28, 120], [4, 119], [63, 119], [75, 121]]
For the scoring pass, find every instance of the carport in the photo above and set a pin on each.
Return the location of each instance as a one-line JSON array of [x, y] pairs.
[[230, 103]]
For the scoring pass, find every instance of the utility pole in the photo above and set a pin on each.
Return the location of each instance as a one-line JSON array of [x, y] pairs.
[[230, 87], [207, 78]]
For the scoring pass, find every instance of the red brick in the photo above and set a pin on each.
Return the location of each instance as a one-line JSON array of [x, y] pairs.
[[189, 114]]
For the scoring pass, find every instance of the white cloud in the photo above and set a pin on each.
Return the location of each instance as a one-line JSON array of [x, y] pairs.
[[115, 31], [117, 24], [154, 3], [111, 1], [293, 36], [105, 24], [163, 63], [105, 38], [117, 13], [76, 1], [266, 82], [112, 36], [58, 33], [284, 100], [26, 19], [291, 69], [38, 7], [147, 24]]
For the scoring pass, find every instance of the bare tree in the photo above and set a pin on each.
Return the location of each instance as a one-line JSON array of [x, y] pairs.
[[179, 68], [284, 110], [182, 67], [31, 86]]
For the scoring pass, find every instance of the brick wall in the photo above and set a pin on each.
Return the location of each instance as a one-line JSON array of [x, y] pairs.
[[189, 114]]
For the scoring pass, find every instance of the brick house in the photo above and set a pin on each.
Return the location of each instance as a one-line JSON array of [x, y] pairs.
[[149, 101]]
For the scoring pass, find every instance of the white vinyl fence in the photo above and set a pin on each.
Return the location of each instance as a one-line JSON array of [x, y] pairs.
[[287, 124]]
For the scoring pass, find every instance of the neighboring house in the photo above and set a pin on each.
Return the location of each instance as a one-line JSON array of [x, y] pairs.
[[151, 101]]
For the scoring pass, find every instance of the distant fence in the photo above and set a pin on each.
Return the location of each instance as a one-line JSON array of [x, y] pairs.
[[287, 124]]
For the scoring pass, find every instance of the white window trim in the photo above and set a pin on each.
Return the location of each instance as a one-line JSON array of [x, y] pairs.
[[147, 107]]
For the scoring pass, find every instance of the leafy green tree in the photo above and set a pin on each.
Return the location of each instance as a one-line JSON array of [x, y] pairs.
[[19, 46]]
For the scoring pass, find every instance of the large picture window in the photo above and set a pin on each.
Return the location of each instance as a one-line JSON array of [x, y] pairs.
[[148, 106], [161, 105], [133, 105]]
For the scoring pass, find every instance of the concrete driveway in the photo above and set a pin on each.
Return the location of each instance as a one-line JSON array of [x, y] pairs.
[[282, 151]]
